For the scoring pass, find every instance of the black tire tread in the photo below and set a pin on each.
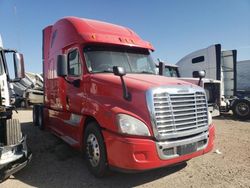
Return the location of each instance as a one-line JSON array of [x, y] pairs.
[[35, 115], [40, 115], [238, 116]]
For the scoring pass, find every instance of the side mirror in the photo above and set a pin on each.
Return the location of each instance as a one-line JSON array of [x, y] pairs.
[[199, 74], [62, 65], [161, 68], [119, 71], [19, 66]]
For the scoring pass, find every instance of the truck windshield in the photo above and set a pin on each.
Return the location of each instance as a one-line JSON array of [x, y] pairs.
[[101, 59]]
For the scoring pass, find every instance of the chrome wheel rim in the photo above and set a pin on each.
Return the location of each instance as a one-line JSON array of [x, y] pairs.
[[93, 150]]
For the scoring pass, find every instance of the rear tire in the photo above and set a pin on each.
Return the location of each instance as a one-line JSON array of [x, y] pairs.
[[241, 109], [23, 104], [35, 115], [95, 150], [40, 118], [13, 132]]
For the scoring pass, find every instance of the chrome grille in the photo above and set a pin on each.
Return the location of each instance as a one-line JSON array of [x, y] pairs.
[[178, 114]]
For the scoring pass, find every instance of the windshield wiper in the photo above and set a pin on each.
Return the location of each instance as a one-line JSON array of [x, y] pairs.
[[105, 71], [146, 72]]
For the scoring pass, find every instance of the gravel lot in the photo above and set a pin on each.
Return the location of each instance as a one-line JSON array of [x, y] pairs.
[[55, 164]]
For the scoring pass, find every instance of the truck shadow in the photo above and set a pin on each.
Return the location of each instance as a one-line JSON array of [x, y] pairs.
[[55, 164]]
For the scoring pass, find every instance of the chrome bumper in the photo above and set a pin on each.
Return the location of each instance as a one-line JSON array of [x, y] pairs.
[[172, 149], [13, 158]]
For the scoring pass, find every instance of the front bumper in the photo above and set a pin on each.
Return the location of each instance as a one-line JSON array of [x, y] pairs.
[[135, 154], [13, 158]]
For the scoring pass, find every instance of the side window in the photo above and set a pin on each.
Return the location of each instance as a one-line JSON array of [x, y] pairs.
[[74, 64], [198, 59]]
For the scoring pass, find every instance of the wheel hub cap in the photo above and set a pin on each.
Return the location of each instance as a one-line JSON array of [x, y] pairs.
[[93, 150]]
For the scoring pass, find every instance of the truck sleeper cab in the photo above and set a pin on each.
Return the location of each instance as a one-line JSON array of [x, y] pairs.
[[102, 95]]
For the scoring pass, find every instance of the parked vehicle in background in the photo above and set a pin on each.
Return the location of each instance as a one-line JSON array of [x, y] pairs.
[[102, 96], [219, 65], [28, 91], [243, 77], [169, 70], [212, 87], [14, 154]]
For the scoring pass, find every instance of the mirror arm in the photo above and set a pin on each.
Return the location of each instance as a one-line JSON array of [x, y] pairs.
[[120, 71], [199, 83], [126, 94]]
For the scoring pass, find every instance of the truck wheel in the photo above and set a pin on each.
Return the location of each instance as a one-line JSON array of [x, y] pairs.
[[241, 109], [23, 104], [13, 132], [35, 115], [95, 150], [40, 117]]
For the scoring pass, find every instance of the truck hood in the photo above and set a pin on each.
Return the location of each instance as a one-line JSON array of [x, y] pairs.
[[106, 93], [139, 81]]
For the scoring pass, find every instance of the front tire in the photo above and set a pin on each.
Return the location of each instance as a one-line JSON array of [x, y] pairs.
[[241, 109], [95, 150]]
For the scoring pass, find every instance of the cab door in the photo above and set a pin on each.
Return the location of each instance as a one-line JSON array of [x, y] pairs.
[[74, 96]]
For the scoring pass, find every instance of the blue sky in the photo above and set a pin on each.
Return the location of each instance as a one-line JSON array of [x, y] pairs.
[[175, 28]]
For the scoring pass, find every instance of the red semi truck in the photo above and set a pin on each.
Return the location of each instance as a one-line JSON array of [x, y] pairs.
[[102, 96]]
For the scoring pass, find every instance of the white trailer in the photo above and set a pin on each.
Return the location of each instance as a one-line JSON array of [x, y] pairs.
[[221, 66], [29, 90], [243, 76]]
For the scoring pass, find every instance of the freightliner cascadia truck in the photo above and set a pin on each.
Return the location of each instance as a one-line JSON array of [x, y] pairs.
[[102, 96]]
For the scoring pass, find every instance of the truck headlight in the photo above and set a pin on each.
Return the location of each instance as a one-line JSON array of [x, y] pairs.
[[130, 125], [210, 120]]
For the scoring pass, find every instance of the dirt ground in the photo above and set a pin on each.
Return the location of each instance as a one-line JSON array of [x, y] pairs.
[[55, 164]]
